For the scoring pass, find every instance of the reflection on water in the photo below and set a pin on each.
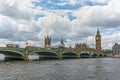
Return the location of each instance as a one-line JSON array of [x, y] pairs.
[[68, 69], [2, 57], [33, 57]]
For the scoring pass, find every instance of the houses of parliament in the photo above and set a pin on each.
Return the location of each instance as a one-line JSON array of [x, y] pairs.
[[79, 47]]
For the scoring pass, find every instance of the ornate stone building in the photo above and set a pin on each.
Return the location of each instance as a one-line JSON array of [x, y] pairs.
[[116, 48], [47, 41], [98, 41], [84, 47], [79, 46], [62, 44]]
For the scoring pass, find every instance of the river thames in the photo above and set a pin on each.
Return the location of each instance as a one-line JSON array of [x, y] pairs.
[[67, 69]]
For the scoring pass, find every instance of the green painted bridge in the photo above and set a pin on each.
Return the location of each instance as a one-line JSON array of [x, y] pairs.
[[23, 53]]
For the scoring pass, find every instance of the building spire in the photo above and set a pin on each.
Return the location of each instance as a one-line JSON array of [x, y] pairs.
[[27, 43], [98, 32], [47, 41], [62, 41]]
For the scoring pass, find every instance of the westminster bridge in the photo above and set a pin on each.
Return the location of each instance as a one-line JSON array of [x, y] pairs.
[[23, 53]]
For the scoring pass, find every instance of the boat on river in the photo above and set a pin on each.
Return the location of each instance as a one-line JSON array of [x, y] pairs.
[[116, 56]]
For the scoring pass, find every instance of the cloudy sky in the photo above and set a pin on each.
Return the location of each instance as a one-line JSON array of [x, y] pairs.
[[76, 21]]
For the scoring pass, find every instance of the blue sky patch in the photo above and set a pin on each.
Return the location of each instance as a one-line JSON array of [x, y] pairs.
[[37, 16], [61, 4], [110, 31], [71, 17]]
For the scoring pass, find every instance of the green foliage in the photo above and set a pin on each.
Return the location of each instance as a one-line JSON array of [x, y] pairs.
[[106, 51]]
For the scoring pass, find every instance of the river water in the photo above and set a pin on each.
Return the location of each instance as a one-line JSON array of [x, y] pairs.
[[67, 69]]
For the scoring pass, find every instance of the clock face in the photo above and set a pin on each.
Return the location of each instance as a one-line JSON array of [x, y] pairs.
[[97, 38]]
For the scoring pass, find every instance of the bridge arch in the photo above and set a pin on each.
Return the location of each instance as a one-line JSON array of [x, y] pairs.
[[94, 55], [85, 55], [46, 54], [11, 54], [101, 55], [69, 55]]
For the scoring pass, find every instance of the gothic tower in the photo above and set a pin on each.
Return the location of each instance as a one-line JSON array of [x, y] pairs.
[[62, 42], [62, 45], [98, 41], [47, 41]]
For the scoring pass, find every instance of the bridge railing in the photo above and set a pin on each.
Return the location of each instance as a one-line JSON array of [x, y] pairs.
[[14, 49]]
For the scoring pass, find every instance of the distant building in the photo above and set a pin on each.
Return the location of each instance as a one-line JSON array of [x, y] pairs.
[[98, 41], [62, 45], [116, 48], [82, 47], [47, 42], [79, 47]]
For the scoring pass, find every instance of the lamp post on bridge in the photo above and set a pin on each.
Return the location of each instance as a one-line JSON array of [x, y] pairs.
[[26, 52], [60, 54]]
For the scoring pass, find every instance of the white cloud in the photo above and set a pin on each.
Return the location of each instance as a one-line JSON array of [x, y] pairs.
[[73, 2], [100, 1], [24, 27], [54, 25], [16, 9], [70, 2], [18, 17], [109, 40], [99, 16], [8, 26]]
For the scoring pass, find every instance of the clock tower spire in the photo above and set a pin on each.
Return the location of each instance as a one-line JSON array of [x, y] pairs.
[[98, 41]]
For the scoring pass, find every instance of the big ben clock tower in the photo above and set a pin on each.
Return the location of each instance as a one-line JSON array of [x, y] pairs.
[[98, 41]]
